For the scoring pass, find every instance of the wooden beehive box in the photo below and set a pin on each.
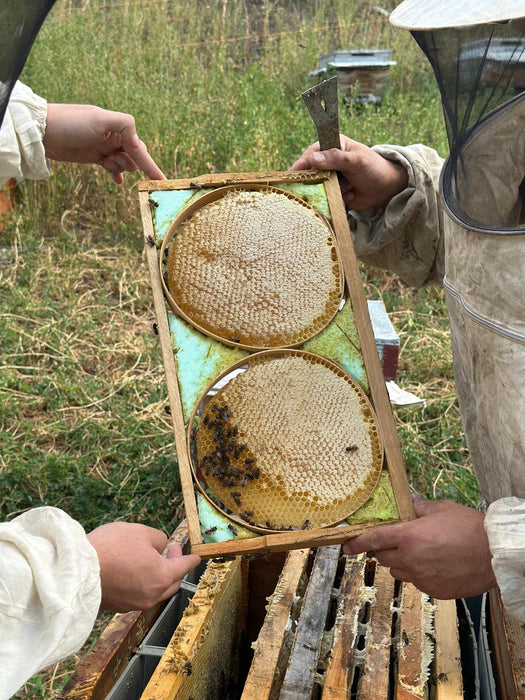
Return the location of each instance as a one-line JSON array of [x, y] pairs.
[[303, 626], [205, 358]]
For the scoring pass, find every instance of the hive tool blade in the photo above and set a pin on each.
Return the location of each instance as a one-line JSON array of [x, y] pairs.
[[323, 106]]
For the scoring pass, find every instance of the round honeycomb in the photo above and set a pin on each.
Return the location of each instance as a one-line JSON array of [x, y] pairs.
[[289, 442], [254, 266]]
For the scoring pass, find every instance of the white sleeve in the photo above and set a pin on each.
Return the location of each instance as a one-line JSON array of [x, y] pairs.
[[49, 593], [505, 526], [22, 153]]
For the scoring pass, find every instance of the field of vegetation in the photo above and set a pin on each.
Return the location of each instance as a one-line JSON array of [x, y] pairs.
[[214, 87]]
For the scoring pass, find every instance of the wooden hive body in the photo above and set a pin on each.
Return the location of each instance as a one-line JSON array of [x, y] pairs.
[[311, 624]]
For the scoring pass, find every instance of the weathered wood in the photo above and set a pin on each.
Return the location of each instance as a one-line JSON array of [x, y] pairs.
[[190, 665], [375, 681], [284, 541], [508, 649], [374, 371], [300, 675], [177, 419], [447, 659], [414, 649], [339, 674], [97, 673], [273, 643], [221, 180]]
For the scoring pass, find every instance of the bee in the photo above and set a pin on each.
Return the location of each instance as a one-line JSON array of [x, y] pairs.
[[248, 461], [270, 525], [247, 513], [150, 241], [236, 497], [405, 638], [234, 340], [305, 525], [152, 202], [232, 529], [351, 448], [196, 185], [210, 530], [155, 329], [187, 668], [167, 409]]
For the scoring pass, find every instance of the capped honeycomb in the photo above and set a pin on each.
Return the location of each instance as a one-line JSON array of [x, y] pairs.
[[254, 266], [289, 442]]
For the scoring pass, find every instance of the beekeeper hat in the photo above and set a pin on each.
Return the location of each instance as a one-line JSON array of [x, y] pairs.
[[420, 15]]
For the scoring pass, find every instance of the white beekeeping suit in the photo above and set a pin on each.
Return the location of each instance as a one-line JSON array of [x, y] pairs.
[[461, 223]]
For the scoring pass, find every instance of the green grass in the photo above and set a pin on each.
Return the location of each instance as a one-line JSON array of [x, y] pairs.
[[216, 89]]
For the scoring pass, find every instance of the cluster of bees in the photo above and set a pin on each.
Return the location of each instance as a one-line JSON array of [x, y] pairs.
[[228, 461]]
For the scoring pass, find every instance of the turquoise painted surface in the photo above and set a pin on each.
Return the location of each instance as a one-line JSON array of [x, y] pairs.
[[199, 358], [168, 204], [214, 524], [314, 195], [339, 342]]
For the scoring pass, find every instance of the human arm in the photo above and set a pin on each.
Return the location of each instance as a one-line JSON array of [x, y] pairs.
[[396, 219], [134, 574], [34, 131], [368, 181], [49, 593], [89, 134], [54, 579], [444, 552]]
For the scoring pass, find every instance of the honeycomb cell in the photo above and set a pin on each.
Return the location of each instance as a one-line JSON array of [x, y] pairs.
[[290, 439], [255, 267]]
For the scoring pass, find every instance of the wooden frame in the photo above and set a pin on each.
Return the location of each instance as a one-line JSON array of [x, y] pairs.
[[296, 539]]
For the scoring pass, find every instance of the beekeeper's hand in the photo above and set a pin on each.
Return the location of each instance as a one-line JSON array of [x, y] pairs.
[[445, 552], [134, 575], [368, 180], [88, 134]]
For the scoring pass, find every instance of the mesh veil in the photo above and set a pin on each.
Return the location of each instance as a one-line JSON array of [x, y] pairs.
[[20, 21], [480, 72]]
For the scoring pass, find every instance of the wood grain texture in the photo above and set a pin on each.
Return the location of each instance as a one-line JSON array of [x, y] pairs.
[[272, 646], [299, 678], [340, 671], [508, 649], [374, 370], [447, 659], [177, 419]]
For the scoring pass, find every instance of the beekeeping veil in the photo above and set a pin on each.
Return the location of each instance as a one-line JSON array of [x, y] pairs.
[[20, 21], [477, 51]]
